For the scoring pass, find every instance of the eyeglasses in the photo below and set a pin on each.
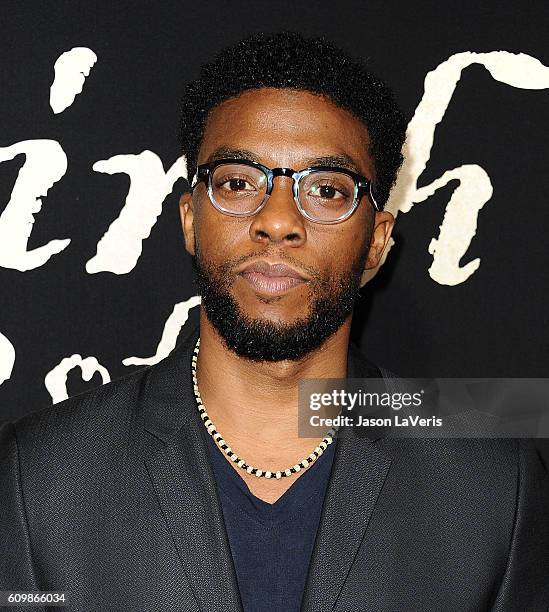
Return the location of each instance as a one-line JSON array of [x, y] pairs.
[[323, 194]]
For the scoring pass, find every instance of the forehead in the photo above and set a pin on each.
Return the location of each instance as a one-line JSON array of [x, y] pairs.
[[285, 128]]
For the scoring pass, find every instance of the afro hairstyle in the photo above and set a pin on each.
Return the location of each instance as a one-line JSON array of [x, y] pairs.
[[287, 60]]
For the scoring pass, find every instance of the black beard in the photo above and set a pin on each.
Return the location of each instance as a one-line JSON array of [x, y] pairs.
[[263, 340]]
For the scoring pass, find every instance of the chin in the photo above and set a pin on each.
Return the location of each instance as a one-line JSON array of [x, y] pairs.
[[275, 311]]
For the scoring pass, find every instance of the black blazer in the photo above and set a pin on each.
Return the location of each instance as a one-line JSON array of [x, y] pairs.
[[110, 495]]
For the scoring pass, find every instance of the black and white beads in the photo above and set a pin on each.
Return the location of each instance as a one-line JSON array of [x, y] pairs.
[[218, 438]]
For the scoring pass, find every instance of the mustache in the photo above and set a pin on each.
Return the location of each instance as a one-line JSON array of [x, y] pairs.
[[228, 267]]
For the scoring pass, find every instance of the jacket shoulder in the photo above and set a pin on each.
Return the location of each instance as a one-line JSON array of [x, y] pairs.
[[96, 425], [108, 401]]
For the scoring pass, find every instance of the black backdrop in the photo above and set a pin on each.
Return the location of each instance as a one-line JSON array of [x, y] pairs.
[[495, 323]]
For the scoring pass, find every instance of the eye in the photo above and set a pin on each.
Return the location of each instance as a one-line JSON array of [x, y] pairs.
[[236, 183], [328, 190]]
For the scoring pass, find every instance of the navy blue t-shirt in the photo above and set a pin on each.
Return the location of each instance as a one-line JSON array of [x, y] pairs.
[[271, 544]]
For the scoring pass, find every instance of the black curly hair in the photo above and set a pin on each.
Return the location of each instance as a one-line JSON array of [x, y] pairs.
[[288, 61]]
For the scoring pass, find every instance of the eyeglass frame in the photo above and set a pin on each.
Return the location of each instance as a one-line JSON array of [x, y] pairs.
[[363, 186]]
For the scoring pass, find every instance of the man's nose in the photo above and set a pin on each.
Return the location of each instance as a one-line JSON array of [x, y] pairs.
[[279, 220]]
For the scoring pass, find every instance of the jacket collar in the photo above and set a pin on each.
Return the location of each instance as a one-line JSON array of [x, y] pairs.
[[168, 397]]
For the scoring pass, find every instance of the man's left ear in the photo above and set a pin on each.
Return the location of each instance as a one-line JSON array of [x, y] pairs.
[[381, 232]]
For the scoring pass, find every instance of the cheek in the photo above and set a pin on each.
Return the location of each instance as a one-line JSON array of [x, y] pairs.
[[219, 235], [337, 247], [358, 238]]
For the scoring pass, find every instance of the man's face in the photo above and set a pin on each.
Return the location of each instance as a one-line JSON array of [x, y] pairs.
[[260, 318]]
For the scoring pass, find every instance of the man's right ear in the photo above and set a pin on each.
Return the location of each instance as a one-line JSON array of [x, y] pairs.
[[187, 221]]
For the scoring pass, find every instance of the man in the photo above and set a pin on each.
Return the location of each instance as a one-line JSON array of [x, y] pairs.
[[185, 486]]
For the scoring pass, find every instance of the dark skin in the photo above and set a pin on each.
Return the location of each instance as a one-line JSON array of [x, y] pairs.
[[255, 404]]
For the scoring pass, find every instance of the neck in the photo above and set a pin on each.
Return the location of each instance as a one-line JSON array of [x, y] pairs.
[[254, 405]]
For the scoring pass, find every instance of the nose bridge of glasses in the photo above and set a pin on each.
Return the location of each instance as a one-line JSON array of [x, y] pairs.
[[284, 173]]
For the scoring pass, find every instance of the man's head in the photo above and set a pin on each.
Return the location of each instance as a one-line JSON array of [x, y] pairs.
[[285, 102]]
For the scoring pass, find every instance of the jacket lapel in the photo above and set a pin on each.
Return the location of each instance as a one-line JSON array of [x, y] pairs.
[[176, 457], [177, 460], [358, 473]]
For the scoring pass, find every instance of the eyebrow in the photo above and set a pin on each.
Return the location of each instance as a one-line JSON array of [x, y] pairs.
[[334, 161], [227, 152]]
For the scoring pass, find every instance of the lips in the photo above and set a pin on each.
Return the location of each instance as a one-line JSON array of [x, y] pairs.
[[272, 279]]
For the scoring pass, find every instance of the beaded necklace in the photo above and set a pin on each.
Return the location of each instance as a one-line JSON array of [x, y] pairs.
[[218, 438]]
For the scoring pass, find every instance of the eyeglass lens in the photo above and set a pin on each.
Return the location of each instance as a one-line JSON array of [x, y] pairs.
[[323, 195]]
